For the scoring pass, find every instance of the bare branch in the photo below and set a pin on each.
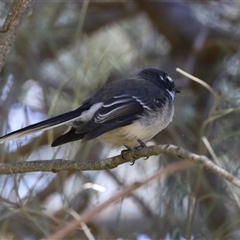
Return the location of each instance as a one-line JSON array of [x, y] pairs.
[[109, 163]]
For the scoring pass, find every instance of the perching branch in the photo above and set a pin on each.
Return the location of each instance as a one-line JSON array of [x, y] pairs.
[[109, 163]]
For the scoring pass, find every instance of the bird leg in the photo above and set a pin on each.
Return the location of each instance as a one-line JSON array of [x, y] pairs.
[[142, 145]]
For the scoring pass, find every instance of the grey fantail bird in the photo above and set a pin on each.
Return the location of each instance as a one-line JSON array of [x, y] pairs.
[[124, 112]]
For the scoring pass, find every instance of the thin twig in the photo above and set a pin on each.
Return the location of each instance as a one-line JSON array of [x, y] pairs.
[[93, 212], [204, 84], [142, 205]]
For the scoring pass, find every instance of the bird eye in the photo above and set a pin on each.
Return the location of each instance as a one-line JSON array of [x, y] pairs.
[[157, 101], [166, 78]]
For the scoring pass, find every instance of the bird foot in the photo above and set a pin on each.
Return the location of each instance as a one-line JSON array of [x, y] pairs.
[[142, 145]]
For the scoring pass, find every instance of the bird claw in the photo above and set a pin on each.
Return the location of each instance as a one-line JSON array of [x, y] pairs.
[[142, 145]]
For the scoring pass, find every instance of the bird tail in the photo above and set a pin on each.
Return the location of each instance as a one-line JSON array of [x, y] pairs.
[[42, 126]]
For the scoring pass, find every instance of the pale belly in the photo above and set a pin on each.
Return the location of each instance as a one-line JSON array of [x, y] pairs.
[[144, 129]]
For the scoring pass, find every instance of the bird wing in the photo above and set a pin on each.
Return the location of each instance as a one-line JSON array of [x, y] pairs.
[[116, 112], [70, 136], [119, 111]]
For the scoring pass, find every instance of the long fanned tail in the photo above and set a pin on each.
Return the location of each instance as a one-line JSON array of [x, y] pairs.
[[42, 126]]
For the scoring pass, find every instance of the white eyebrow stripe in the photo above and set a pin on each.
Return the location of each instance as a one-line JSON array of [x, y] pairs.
[[169, 78]]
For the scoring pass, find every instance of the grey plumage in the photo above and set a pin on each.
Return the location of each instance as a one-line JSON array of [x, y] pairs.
[[120, 113]]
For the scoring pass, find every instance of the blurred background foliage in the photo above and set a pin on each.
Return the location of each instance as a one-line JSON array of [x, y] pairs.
[[64, 51]]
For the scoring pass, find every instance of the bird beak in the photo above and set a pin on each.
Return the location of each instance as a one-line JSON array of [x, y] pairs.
[[177, 91]]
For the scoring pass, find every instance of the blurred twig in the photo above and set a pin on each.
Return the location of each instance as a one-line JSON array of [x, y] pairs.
[[93, 212], [207, 86], [8, 32], [142, 204]]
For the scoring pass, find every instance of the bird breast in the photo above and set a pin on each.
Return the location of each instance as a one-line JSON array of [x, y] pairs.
[[145, 128]]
